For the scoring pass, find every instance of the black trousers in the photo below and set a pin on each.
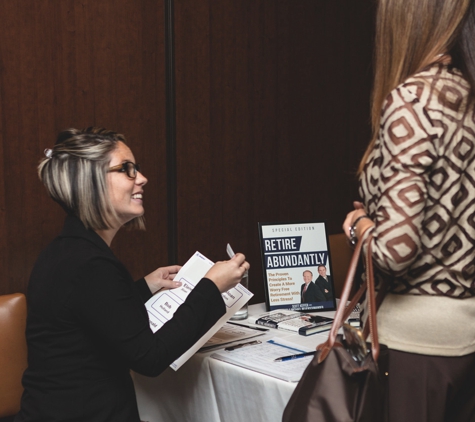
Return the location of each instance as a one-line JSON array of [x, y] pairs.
[[426, 388]]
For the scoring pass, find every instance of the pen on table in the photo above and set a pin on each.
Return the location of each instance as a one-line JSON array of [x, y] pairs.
[[291, 357], [271, 341], [238, 346], [249, 326]]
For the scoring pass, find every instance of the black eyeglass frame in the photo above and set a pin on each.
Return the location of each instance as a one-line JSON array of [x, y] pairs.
[[129, 168]]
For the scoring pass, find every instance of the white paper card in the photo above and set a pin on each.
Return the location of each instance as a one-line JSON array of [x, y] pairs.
[[163, 305]]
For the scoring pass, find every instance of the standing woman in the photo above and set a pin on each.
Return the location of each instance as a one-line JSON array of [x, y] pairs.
[[417, 183], [87, 325]]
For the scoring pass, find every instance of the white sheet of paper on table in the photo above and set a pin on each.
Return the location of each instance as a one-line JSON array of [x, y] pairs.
[[261, 358], [163, 305], [228, 334]]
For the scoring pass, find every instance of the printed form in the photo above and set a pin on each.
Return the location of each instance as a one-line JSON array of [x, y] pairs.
[[230, 334], [163, 305], [261, 358]]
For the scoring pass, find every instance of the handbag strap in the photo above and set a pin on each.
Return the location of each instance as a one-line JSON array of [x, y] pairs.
[[379, 299], [343, 311], [373, 326]]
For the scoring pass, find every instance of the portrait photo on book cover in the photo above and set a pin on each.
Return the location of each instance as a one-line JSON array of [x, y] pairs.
[[297, 266]]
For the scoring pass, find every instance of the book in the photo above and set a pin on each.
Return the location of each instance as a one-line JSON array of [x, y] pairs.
[[297, 266], [302, 323], [162, 305]]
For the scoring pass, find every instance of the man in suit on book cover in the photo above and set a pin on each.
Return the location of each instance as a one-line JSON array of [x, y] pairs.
[[308, 290], [324, 285]]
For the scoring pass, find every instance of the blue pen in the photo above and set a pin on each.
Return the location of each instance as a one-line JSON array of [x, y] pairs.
[[283, 345], [291, 357]]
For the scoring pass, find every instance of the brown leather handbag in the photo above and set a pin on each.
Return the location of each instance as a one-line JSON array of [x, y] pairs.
[[341, 385]]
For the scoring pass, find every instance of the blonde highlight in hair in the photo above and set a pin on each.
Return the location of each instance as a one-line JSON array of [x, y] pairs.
[[409, 35], [75, 176]]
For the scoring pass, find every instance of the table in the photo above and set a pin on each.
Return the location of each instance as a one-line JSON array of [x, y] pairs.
[[208, 390]]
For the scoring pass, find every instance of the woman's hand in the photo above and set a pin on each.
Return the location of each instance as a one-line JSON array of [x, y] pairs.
[[162, 278], [351, 217], [226, 274]]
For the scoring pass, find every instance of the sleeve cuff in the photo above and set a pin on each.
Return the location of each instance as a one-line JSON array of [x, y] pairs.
[[209, 292]]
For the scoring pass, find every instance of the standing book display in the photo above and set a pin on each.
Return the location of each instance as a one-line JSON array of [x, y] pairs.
[[297, 266]]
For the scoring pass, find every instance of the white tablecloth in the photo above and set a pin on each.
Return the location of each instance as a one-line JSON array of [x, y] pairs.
[[209, 390]]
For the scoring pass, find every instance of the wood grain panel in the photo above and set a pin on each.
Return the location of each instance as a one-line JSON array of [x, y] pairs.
[[76, 64], [272, 112], [272, 117]]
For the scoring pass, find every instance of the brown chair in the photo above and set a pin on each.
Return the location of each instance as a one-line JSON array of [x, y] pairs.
[[341, 254], [13, 358]]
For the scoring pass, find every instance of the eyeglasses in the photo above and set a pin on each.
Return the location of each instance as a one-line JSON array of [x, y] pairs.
[[128, 168]]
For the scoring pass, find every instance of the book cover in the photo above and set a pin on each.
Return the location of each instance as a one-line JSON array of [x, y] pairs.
[[309, 324], [304, 324], [297, 266]]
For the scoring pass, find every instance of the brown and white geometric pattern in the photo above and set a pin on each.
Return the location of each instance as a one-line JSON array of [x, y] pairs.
[[418, 186]]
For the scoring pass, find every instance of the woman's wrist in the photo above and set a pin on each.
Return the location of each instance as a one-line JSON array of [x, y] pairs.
[[355, 233]]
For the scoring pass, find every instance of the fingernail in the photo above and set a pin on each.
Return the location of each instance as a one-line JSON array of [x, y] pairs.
[[178, 283]]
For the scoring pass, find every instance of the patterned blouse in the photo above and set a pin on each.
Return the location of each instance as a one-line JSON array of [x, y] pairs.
[[418, 186]]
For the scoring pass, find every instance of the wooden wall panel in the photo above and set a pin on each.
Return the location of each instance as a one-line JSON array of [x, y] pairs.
[[272, 117], [74, 64]]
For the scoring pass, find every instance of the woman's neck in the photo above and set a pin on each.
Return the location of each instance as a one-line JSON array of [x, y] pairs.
[[107, 235]]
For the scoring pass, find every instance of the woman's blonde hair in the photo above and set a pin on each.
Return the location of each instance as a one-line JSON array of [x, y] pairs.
[[409, 35], [74, 174]]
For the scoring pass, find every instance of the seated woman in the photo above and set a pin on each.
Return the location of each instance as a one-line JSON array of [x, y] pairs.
[[87, 324]]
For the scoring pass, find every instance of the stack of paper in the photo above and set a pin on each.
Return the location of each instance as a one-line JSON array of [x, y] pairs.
[[163, 305]]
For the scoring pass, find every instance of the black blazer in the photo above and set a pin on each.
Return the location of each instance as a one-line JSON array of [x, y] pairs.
[[311, 294], [323, 285], [87, 327]]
